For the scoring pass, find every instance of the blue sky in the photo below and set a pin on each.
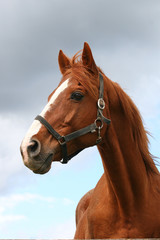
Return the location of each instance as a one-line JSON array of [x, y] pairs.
[[124, 37]]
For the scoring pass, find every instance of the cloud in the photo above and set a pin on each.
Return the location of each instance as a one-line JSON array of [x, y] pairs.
[[28, 205], [8, 218], [68, 202], [12, 129], [14, 199], [146, 96], [34, 31], [64, 230]]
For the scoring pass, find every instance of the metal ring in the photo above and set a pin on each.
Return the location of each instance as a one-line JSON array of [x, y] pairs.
[[62, 140], [101, 122], [101, 103]]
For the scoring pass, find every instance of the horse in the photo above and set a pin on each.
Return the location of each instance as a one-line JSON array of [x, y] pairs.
[[88, 109]]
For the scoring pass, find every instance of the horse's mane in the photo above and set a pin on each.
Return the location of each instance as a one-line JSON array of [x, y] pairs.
[[129, 108], [139, 133]]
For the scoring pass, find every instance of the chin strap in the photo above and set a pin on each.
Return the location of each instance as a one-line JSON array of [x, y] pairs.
[[96, 126]]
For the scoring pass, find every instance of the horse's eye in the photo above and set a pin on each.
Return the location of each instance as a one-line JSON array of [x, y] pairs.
[[77, 96]]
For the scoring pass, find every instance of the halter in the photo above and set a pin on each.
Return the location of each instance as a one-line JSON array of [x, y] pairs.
[[96, 126]]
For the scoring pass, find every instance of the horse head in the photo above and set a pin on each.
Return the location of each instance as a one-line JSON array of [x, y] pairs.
[[72, 119]]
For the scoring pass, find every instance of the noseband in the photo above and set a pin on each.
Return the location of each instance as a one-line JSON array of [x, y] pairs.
[[96, 126]]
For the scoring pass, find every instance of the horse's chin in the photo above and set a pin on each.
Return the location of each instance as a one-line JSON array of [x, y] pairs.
[[46, 166]]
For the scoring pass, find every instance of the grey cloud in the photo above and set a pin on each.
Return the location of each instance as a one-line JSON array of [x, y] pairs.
[[32, 32]]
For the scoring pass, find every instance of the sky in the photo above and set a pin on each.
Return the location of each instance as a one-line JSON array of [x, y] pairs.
[[125, 40]]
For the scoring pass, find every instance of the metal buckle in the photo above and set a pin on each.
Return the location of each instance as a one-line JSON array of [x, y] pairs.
[[99, 125], [62, 140], [101, 103]]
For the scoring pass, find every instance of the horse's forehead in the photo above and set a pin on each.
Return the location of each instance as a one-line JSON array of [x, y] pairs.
[[65, 84], [60, 89]]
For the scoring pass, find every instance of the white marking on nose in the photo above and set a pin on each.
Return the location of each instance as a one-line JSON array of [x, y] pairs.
[[33, 130], [36, 125]]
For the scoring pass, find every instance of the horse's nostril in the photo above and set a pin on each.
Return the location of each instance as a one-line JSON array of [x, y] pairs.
[[34, 148]]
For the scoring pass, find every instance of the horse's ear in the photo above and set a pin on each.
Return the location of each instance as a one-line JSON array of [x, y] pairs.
[[88, 60], [64, 62]]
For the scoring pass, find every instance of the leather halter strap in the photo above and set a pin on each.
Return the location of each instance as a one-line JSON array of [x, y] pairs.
[[97, 125]]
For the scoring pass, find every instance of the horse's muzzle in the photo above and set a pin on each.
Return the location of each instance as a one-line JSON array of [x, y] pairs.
[[34, 159]]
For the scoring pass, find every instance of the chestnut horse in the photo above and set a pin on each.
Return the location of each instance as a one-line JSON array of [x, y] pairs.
[[87, 109]]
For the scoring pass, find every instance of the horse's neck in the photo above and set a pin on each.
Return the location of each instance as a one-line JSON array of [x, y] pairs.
[[125, 172], [124, 167]]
